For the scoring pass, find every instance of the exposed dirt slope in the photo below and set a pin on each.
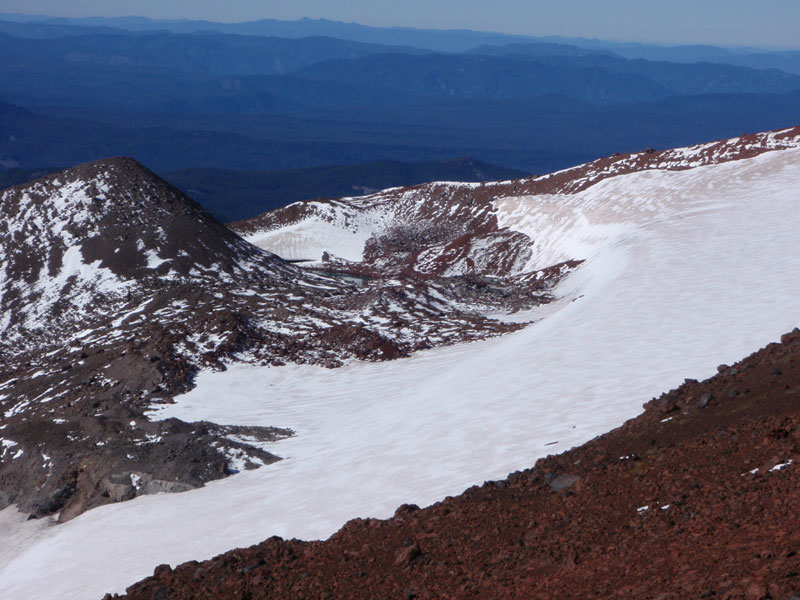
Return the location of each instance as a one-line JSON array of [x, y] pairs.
[[698, 497]]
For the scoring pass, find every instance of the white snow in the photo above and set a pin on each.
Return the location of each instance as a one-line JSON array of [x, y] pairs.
[[683, 271], [780, 466], [18, 534], [153, 259], [308, 239], [334, 227]]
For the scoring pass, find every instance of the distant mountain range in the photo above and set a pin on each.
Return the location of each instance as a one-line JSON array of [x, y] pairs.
[[218, 54], [437, 40], [428, 39], [277, 95], [155, 70]]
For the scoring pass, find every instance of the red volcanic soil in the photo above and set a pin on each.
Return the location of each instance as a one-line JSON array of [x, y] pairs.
[[695, 498]]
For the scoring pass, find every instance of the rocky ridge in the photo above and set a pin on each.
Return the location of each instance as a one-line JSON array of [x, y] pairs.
[[451, 229], [115, 288], [695, 498]]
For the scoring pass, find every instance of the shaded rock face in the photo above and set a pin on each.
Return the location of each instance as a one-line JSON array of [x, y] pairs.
[[700, 503], [115, 288]]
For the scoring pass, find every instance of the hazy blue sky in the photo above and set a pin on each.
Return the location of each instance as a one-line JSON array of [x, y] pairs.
[[729, 22]]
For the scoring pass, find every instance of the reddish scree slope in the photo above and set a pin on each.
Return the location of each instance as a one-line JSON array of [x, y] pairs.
[[708, 460]]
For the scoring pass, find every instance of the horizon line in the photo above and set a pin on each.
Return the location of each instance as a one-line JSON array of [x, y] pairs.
[[552, 37]]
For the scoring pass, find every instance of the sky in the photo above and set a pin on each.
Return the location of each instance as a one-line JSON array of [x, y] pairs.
[[765, 23]]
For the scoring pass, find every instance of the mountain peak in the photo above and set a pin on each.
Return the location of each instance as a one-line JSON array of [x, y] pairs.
[[80, 239]]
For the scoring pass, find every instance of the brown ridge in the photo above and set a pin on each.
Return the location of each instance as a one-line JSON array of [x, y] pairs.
[[572, 180], [438, 228]]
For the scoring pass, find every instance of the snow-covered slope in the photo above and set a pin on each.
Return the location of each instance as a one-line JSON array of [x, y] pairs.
[[456, 228], [434, 229], [683, 270], [115, 288], [82, 245]]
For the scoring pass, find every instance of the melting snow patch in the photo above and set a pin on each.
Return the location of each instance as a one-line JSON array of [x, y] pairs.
[[151, 439], [780, 466], [238, 459], [7, 445], [153, 260]]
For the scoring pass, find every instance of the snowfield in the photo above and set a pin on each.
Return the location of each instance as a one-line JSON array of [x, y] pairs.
[[684, 271]]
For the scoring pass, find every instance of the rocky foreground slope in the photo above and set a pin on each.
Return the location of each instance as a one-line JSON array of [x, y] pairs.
[[695, 498]]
